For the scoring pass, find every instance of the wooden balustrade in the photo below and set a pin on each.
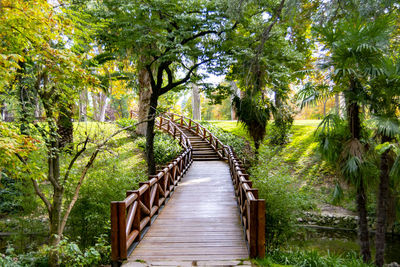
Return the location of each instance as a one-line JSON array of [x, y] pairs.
[[201, 131], [252, 209], [131, 217]]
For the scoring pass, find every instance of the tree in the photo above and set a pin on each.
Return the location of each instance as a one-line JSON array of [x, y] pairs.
[[45, 60], [355, 44], [384, 102], [272, 50], [167, 35], [196, 102]]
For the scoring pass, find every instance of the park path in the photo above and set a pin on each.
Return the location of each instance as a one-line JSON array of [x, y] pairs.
[[199, 226]]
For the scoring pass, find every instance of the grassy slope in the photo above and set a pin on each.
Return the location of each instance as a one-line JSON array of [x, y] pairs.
[[298, 159]]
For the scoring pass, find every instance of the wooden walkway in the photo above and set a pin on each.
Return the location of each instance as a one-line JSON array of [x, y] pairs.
[[199, 223]]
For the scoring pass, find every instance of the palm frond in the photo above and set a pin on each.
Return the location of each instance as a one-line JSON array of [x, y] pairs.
[[328, 124], [386, 126]]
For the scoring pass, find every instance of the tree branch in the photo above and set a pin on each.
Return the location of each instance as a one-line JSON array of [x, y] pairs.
[[77, 155], [172, 85], [169, 74], [85, 170]]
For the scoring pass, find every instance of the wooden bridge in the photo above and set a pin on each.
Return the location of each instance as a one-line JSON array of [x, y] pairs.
[[203, 219]]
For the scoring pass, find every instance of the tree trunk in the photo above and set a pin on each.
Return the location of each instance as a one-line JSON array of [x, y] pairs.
[[383, 195], [337, 104], [83, 98], [196, 108], [3, 109], [354, 121], [65, 127], [150, 134], [38, 111], [56, 207], [145, 93], [103, 102], [363, 222], [235, 90], [325, 107]]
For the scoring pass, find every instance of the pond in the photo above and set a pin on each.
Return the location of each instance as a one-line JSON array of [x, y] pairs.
[[342, 241]]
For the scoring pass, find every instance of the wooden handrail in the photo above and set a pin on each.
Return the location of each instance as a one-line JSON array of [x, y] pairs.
[[201, 131], [252, 209], [131, 217]]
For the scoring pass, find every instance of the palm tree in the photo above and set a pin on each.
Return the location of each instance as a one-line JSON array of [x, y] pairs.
[[355, 45], [384, 101]]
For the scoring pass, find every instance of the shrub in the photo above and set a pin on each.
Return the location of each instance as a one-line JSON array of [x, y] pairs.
[[10, 195], [238, 143], [108, 180], [166, 148], [284, 200], [70, 255], [125, 122]]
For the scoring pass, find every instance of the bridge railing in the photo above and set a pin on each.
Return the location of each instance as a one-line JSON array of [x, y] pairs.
[[131, 217], [201, 131], [252, 209]]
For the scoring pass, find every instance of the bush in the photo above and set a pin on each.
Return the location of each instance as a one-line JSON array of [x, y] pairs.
[[108, 180], [238, 143], [166, 148], [10, 195], [125, 122], [283, 199], [70, 255]]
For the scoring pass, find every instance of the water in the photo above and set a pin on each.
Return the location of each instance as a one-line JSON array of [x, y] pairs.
[[342, 241]]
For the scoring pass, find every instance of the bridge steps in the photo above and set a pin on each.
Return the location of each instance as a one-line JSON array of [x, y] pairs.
[[202, 151]]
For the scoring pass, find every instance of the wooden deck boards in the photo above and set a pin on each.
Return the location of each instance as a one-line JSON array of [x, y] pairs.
[[200, 221]]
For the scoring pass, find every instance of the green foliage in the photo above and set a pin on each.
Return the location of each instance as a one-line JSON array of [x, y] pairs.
[[254, 114], [284, 200], [283, 121], [125, 122], [70, 255], [10, 195], [311, 259], [121, 168], [166, 148], [237, 142]]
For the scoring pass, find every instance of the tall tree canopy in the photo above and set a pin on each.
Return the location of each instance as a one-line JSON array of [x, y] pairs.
[[164, 37]]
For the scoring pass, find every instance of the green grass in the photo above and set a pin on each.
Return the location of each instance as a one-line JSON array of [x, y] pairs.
[[298, 159], [232, 127]]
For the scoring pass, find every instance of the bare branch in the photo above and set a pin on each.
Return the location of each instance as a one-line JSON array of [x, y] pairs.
[[41, 195], [77, 155], [85, 170], [77, 189], [169, 86]]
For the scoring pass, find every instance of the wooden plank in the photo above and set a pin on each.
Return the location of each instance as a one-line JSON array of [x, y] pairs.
[[200, 222]]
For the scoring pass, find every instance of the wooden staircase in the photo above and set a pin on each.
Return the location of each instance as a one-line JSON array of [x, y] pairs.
[[202, 150]]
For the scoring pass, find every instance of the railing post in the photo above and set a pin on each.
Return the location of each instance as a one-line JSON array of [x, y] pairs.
[[252, 221], [261, 228], [161, 121], [123, 250], [257, 228], [115, 254]]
